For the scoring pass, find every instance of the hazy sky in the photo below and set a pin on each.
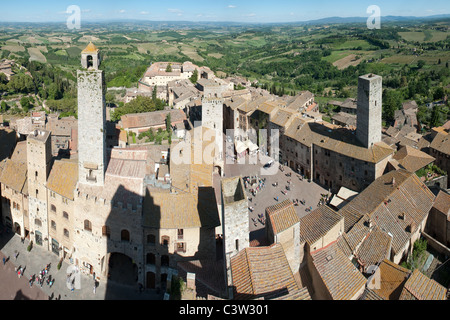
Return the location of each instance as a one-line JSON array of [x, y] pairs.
[[214, 10]]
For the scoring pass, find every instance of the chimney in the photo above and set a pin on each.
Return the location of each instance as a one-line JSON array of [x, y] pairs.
[[393, 181]]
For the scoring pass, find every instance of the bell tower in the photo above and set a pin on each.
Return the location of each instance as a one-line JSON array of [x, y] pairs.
[[90, 57], [91, 119]]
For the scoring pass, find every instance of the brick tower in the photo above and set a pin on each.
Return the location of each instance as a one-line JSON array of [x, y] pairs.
[[91, 119]]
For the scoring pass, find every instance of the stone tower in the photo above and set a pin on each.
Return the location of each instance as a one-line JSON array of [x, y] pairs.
[[235, 220], [39, 158], [212, 118], [91, 119], [369, 109]]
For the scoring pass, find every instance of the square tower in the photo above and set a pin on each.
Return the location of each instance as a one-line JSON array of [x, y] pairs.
[[212, 118], [39, 157], [235, 218], [369, 109], [91, 126]]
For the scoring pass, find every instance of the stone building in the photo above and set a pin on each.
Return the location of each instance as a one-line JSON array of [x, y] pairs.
[[235, 223], [438, 223]]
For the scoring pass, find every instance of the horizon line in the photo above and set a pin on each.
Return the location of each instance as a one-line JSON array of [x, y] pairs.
[[227, 21]]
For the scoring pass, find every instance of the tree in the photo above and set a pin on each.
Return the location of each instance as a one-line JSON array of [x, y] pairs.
[[420, 64], [3, 106], [436, 116], [154, 93], [392, 100], [168, 123], [194, 77], [169, 68], [25, 103]]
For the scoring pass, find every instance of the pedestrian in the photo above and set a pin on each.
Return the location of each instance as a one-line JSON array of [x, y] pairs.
[[4, 261], [16, 255], [94, 288]]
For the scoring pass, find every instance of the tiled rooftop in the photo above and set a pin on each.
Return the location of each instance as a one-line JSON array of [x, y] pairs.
[[420, 287], [63, 178], [316, 224], [282, 216], [339, 275]]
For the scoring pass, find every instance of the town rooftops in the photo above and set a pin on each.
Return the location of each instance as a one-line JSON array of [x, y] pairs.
[[152, 119], [282, 216], [392, 280], [264, 273], [420, 287], [318, 223], [442, 203], [397, 202], [441, 143], [412, 159], [338, 273]]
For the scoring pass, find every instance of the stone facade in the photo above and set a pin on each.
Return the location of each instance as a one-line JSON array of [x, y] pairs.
[[92, 125], [234, 219], [369, 109], [39, 157]]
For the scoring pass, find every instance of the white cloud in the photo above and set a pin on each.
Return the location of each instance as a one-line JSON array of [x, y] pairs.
[[122, 11], [144, 12], [231, 6]]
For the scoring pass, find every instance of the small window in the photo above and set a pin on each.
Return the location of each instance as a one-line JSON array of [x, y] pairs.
[[87, 225], [151, 239], [125, 235], [65, 215], [237, 244], [66, 233], [165, 240], [53, 208], [38, 222], [106, 232], [53, 225]]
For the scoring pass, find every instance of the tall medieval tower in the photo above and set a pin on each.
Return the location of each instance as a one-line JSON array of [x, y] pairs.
[[369, 109], [91, 119], [39, 157]]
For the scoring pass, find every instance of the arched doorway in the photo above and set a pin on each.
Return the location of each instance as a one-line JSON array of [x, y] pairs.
[[17, 228], [122, 269], [151, 280], [90, 61]]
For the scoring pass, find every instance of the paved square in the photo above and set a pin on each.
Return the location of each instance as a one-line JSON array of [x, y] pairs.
[[272, 183]]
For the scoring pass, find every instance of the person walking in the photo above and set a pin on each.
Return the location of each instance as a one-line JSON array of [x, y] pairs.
[[4, 261]]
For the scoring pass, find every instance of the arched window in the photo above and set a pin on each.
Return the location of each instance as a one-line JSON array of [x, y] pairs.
[[65, 215], [66, 233], [150, 258], [53, 225], [125, 235], [53, 208], [165, 240], [90, 62], [87, 225], [151, 239]]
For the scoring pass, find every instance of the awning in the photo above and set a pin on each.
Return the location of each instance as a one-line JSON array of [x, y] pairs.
[[240, 147]]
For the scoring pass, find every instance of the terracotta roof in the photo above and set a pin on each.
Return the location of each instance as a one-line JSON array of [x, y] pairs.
[[369, 294], [420, 287], [263, 272], [442, 203], [63, 178], [152, 119], [441, 143], [318, 223], [374, 248], [20, 152], [338, 273], [385, 203], [282, 216], [412, 159], [14, 175], [339, 140], [393, 277], [282, 117], [165, 210], [91, 48]]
